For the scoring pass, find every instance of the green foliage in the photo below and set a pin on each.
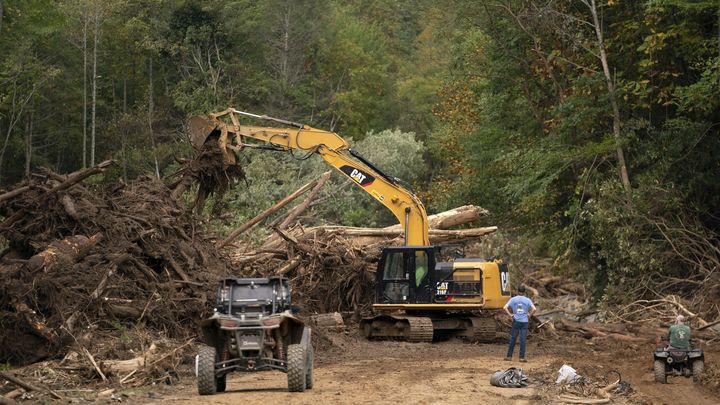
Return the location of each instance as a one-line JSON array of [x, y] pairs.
[[527, 130], [124, 337]]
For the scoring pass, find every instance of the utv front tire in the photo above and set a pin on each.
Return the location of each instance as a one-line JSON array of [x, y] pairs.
[[698, 366], [206, 370], [296, 368], [309, 364], [659, 371]]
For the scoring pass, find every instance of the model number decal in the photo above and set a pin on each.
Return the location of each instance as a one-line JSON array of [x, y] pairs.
[[442, 288]]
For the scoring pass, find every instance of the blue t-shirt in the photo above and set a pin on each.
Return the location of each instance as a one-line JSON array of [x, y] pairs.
[[520, 307]]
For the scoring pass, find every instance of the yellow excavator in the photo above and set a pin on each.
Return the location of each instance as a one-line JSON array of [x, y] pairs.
[[417, 295]]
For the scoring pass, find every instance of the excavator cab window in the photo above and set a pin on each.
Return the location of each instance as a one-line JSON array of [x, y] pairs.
[[396, 281], [421, 267]]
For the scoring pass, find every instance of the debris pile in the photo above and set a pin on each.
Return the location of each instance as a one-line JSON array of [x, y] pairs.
[[81, 257]]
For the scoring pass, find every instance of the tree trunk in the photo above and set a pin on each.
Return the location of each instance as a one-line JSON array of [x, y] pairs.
[[96, 39], [254, 221], [86, 18], [124, 93], [303, 206], [123, 150], [150, 119], [28, 142], [613, 102], [16, 112]]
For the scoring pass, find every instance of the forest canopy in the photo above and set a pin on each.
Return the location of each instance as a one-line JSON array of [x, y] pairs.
[[591, 124]]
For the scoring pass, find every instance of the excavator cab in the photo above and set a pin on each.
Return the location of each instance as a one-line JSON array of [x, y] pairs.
[[411, 275], [403, 275]]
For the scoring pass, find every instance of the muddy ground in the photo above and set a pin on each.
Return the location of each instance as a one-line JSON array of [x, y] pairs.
[[354, 370]]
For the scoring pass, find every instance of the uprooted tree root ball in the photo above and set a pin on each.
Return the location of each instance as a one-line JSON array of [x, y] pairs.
[[210, 171]]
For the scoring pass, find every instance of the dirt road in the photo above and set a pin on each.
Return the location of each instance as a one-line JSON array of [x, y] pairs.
[[448, 372]]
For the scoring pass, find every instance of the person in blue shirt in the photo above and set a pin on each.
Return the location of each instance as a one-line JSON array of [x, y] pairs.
[[520, 308]]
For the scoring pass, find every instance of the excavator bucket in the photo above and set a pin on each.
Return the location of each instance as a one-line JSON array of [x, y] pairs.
[[199, 128]]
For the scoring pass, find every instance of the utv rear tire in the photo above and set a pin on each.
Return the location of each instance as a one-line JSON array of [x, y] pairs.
[[309, 372], [698, 366], [296, 368], [659, 371], [206, 370], [221, 383]]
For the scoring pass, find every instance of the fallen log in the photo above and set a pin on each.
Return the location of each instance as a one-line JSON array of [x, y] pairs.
[[127, 366], [331, 322], [28, 386], [602, 331], [303, 206], [254, 221], [81, 175], [360, 237], [67, 251], [13, 193], [451, 218]]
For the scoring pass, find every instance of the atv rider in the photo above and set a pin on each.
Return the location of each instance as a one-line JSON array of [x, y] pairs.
[[679, 335]]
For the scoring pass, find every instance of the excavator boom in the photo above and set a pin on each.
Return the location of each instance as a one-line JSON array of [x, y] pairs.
[[232, 136]]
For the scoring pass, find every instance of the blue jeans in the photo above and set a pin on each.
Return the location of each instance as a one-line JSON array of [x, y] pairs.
[[518, 328]]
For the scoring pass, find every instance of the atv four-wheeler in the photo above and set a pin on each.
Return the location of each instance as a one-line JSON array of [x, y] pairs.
[[252, 329], [670, 361]]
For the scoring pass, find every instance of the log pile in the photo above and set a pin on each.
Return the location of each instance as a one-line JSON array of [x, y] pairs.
[[625, 332], [332, 268]]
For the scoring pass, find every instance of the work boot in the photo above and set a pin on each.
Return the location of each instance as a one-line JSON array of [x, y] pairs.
[[523, 361], [508, 358]]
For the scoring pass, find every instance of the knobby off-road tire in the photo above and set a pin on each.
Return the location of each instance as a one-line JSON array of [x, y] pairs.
[[698, 366], [309, 364], [659, 371], [296, 368], [221, 383], [206, 370]]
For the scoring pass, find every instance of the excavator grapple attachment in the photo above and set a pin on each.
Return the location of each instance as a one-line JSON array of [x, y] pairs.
[[202, 129], [198, 129]]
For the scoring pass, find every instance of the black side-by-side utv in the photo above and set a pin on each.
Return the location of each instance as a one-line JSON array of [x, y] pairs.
[[252, 329]]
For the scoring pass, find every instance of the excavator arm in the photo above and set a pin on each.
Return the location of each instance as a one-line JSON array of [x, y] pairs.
[[335, 151]]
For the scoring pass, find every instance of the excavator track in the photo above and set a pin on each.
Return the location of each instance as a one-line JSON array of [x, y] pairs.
[[484, 329], [409, 328], [420, 329]]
